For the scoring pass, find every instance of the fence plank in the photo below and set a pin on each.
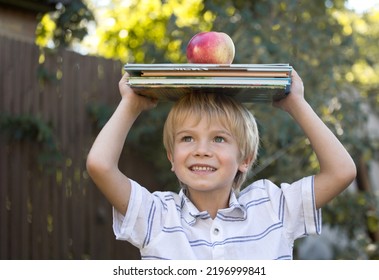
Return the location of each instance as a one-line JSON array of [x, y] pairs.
[[4, 198]]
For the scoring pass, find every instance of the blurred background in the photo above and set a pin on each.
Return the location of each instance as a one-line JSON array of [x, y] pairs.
[[60, 63]]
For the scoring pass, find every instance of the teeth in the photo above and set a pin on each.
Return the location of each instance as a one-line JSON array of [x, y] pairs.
[[202, 168]]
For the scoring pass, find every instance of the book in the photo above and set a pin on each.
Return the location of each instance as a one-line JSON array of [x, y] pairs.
[[210, 73], [245, 82], [205, 69], [208, 81]]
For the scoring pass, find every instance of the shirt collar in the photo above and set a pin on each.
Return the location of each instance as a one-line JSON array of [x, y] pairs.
[[190, 213]]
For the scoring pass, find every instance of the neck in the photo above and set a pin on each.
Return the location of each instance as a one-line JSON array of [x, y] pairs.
[[209, 201]]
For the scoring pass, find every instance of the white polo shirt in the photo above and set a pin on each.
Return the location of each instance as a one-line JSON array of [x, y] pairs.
[[261, 223]]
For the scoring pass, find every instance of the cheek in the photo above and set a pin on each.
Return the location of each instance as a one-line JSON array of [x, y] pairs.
[[176, 159]]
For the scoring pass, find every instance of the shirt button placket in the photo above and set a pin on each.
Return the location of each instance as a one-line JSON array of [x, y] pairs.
[[216, 236]]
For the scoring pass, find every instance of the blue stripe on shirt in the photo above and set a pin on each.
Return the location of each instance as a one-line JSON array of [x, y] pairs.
[[149, 224], [236, 239]]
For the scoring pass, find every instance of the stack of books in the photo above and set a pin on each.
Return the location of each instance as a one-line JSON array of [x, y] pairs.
[[246, 82]]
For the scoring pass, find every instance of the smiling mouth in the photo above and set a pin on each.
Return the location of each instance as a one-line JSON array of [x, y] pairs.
[[198, 168]]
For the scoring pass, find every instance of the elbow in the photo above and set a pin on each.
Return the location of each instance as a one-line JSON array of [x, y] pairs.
[[348, 173], [334, 182], [96, 167], [353, 175], [91, 165], [351, 172]]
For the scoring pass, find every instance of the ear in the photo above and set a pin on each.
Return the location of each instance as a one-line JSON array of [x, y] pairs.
[[170, 158], [245, 164]]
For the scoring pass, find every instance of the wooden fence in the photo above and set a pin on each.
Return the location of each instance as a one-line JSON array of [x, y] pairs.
[[49, 207]]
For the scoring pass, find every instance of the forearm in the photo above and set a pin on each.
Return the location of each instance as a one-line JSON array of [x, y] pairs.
[[103, 158], [108, 145], [337, 168], [323, 141]]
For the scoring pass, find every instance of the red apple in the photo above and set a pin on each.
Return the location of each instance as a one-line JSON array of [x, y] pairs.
[[211, 47]]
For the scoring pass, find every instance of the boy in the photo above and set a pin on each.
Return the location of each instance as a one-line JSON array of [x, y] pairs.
[[211, 142]]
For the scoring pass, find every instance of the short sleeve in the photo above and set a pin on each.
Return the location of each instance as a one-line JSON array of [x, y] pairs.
[[301, 218], [137, 226]]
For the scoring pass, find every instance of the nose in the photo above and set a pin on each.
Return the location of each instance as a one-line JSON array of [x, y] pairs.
[[203, 149]]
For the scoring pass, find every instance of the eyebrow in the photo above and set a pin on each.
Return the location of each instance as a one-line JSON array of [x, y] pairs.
[[219, 131]]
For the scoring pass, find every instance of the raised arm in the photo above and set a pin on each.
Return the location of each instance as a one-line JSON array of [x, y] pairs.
[[337, 169], [103, 158]]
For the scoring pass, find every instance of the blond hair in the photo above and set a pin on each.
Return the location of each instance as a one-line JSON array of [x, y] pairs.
[[236, 118]]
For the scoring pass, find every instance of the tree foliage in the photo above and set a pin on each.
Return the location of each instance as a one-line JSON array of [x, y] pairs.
[[67, 24], [150, 30]]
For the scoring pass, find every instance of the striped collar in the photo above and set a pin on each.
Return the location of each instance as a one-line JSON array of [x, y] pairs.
[[235, 211]]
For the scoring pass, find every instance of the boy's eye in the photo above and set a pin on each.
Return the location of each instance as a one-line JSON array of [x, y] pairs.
[[219, 139], [187, 139]]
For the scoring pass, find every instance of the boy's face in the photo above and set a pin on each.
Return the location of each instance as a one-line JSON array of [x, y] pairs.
[[205, 156]]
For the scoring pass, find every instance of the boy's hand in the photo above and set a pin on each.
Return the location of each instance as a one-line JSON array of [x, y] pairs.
[[139, 103], [295, 96]]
